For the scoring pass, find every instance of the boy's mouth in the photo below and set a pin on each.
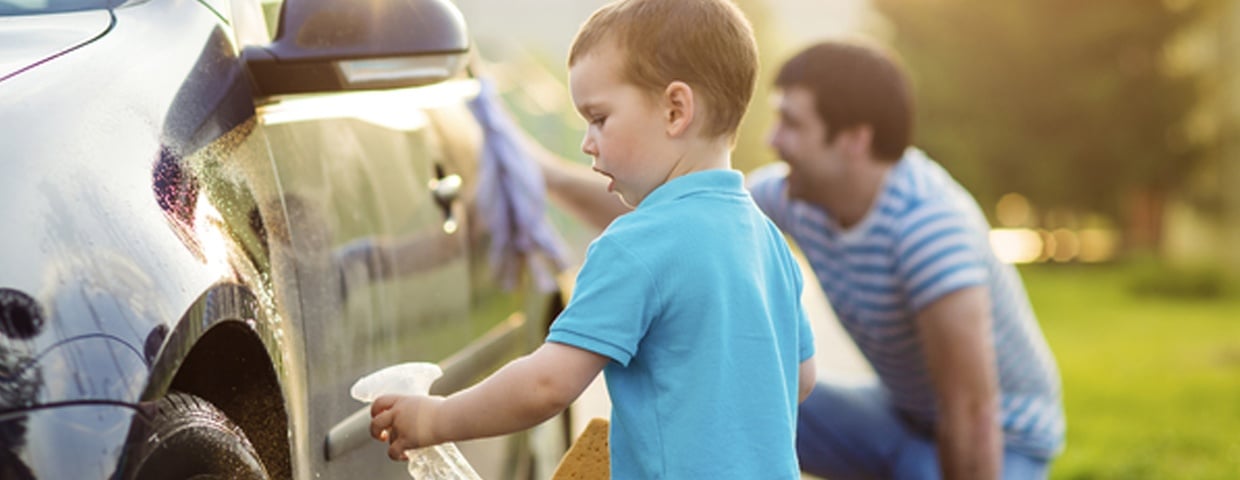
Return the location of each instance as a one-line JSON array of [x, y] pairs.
[[611, 186]]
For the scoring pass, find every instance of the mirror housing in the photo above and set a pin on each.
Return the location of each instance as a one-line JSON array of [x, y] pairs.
[[338, 45]]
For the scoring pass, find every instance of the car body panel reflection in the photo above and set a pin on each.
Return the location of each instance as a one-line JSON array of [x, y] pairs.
[[30, 40], [76, 440]]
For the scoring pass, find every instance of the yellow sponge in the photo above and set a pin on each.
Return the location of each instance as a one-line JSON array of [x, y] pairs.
[[587, 458]]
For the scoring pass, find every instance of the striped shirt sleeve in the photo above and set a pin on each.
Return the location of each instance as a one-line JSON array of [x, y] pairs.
[[937, 255]]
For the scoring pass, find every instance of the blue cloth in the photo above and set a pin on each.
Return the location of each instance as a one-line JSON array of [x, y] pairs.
[[923, 238], [512, 199], [851, 431], [695, 295]]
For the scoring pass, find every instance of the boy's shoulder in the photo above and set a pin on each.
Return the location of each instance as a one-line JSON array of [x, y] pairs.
[[643, 222]]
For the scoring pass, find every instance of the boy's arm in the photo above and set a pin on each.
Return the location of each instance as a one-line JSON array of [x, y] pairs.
[[955, 330], [806, 378], [576, 187], [522, 394]]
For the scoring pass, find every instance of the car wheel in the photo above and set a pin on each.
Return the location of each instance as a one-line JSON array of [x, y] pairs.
[[191, 438]]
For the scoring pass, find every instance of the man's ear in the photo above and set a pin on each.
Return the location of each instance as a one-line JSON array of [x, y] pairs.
[[679, 108], [857, 140]]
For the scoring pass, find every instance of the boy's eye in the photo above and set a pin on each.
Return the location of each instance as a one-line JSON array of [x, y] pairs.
[[598, 120]]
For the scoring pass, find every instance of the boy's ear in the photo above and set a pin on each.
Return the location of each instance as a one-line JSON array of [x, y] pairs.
[[679, 107]]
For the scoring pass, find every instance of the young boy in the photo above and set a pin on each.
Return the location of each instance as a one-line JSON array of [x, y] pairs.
[[691, 302]]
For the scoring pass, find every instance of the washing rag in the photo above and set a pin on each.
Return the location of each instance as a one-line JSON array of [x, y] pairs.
[[512, 198]]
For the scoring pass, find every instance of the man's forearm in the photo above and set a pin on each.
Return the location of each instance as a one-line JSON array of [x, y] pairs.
[[577, 188], [970, 443], [955, 332], [584, 194]]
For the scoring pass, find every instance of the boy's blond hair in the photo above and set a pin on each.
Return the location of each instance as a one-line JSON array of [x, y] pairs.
[[708, 44]]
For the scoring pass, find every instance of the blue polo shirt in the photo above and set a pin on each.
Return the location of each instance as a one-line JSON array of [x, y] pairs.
[[695, 297]]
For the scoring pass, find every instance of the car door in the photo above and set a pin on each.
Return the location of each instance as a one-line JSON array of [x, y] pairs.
[[386, 259], [395, 286]]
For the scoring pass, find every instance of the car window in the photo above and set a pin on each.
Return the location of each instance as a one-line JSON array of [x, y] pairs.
[[271, 12], [32, 7]]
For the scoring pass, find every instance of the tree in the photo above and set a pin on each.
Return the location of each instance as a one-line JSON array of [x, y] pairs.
[[1066, 102]]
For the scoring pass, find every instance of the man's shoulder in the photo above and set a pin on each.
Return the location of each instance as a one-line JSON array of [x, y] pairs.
[[767, 186], [920, 179], [920, 187], [767, 175]]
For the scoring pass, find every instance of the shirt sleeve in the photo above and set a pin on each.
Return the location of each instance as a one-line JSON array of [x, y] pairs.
[[613, 304], [805, 334], [768, 186], [938, 252]]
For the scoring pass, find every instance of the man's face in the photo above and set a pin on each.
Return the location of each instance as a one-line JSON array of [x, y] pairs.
[[800, 139], [625, 129]]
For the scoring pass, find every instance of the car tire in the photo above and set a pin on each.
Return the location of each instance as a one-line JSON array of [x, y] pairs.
[[191, 438]]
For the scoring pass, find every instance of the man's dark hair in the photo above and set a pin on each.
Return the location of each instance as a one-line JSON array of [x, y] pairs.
[[855, 85]]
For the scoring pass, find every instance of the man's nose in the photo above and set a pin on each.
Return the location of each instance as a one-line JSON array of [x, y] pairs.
[[772, 138]]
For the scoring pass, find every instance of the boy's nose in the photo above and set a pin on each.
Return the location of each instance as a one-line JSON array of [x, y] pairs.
[[588, 146]]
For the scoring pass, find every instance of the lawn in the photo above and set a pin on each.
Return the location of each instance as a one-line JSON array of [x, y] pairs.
[[1151, 383]]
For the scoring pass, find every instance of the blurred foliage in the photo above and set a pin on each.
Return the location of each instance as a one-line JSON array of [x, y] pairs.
[[1154, 277], [1070, 103], [1150, 383]]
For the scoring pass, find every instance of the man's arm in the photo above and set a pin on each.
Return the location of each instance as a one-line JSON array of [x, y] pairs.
[[956, 333], [576, 187]]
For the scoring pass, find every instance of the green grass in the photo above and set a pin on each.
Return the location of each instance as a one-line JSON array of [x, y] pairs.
[[1151, 384]]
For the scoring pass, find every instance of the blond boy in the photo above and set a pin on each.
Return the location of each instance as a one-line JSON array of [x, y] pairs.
[[689, 303]]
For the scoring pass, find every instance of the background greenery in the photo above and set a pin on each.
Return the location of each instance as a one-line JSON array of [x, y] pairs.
[[1151, 382], [1076, 105]]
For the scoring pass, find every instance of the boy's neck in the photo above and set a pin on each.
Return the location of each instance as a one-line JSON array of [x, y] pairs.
[[702, 154]]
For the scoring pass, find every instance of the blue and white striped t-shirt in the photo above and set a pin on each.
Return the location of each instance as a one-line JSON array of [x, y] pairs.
[[924, 237]]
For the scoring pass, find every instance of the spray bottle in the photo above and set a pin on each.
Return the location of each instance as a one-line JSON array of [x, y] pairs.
[[440, 462]]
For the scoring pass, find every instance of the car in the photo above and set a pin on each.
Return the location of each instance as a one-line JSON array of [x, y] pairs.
[[219, 214]]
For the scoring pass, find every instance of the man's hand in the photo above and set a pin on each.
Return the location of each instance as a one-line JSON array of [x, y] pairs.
[[406, 422]]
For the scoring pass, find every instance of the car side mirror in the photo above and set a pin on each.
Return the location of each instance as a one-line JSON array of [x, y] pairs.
[[335, 45]]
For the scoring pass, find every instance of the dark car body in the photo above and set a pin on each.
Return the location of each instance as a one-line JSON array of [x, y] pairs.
[[181, 215]]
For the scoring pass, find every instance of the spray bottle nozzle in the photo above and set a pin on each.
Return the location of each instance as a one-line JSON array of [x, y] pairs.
[[414, 378]]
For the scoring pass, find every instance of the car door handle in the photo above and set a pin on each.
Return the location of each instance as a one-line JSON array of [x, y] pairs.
[[446, 189]]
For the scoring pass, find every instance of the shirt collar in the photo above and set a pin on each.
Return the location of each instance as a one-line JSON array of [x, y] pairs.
[[714, 180]]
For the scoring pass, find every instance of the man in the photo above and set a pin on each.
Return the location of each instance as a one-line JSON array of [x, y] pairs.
[[966, 386]]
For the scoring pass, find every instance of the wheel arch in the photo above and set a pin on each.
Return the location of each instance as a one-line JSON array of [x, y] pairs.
[[227, 351]]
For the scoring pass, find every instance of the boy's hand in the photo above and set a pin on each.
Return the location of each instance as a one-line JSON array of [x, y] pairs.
[[406, 422]]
